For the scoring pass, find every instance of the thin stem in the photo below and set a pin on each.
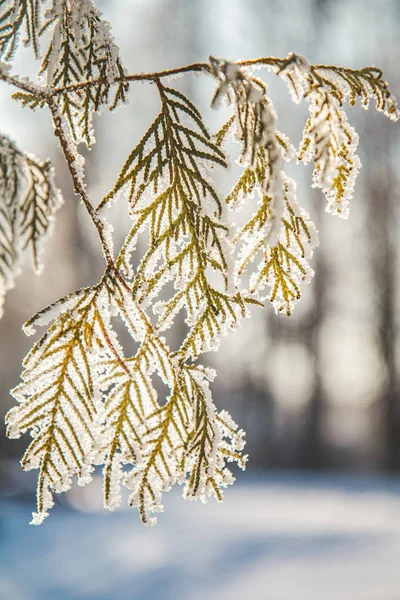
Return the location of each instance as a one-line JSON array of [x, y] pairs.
[[44, 93], [79, 187], [280, 63], [157, 75], [25, 85], [192, 68], [151, 77]]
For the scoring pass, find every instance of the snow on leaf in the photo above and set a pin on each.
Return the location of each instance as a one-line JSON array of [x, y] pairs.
[[331, 143], [84, 398], [81, 50], [328, 140], [37, 208], [284, 264], [162, 459], [170, 193], [278, 231], [130, 399], [349, 84], [59, 397], [57, 401], [188, 443], [254, 122], [17, 16], [28, 202], [213, 441]]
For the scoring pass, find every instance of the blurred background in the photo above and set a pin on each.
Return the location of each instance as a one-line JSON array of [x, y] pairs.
[[318, 512]]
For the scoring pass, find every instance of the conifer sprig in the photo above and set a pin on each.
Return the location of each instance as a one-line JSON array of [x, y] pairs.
[[85, 400], [279, 229], [350, 84], [29, 200], [171, 194], [17, 16], [81, 48], [328, 139], [188, 443], [57, 398], [214, 439]]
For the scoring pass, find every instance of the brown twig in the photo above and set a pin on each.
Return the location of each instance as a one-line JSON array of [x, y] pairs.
[[79, 187]]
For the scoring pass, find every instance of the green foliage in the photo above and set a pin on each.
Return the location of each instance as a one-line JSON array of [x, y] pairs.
[[57, 400], [84, 398], [81, 49], [188, 237], [29, 200], [15, 16], [29, 100], [351, 84]]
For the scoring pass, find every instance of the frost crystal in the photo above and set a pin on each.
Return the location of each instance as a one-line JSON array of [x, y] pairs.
[[331, 143]]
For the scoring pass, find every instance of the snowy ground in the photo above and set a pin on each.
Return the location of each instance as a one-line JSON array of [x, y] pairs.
[[274, 538]]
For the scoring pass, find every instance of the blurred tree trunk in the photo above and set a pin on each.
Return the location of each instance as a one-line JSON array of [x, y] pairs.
[[387, 339], [312, 452], [256, 415], [382, 184]]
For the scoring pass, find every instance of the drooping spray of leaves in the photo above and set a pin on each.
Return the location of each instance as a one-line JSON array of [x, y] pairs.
[[81, 49], [28, 202], [19, 17], [84, 398], [167, 178], [279, 231]]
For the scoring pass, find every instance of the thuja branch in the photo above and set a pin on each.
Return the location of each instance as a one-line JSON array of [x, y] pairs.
[[279, 65], [199, 67], [319, 77], [83, 399], [25, 85]]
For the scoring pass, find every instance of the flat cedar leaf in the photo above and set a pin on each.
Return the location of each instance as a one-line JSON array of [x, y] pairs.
[[82, 49], [29, 100], [19, 17], [167, 182]]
